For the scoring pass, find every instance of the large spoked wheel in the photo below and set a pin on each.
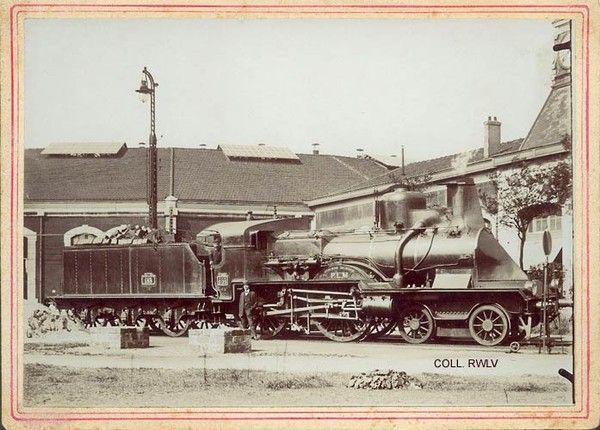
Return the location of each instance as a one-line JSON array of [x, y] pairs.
[[342, 330], [416, 324], [101, 321], [145, 321], [106, 320], [174, 322], [180, 327], [489, 325], [270, 326], [380, 326]]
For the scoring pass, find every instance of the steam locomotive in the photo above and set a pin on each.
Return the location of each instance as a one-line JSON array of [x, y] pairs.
[[428, 272]]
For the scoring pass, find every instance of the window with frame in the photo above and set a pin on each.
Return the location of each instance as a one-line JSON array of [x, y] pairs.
[[83, 239], [552, 223]]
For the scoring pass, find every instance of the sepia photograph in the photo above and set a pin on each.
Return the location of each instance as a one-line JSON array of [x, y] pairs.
[[236, 217]]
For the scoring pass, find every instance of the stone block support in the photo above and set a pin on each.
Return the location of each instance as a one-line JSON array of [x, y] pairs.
[[220, 341], [120, 337]]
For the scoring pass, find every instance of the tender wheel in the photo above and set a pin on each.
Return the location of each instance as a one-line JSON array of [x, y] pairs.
[[416, 324], [101, 321], [176, 329], [488, 325], [342, 330], [270, 327], [380, 326], [144, 321], [174, 322]]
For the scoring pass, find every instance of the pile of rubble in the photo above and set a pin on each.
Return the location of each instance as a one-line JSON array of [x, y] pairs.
[[48, 319], [384, 380]]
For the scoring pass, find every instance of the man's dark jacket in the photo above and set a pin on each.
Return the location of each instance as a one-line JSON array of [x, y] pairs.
[[247, 302]]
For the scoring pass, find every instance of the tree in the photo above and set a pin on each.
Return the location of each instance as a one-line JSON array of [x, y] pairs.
[[530, 192]]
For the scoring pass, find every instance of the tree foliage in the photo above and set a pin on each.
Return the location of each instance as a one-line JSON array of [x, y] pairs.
[[413, 183], [530, 192]]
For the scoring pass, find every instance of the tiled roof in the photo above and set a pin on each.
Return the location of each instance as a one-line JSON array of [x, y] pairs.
[[428, 167], [200, 175], [553, 122]]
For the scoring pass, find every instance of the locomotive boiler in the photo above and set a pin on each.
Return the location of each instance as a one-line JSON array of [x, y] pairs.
[[427, 271]]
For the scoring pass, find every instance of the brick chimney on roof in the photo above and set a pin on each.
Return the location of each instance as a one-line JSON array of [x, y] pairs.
[[491, 136]]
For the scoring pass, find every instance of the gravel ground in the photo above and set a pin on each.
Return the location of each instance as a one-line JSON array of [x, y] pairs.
[[60, 386], [64, 371]]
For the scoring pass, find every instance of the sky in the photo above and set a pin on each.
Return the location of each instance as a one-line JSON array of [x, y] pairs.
[[343, 83]]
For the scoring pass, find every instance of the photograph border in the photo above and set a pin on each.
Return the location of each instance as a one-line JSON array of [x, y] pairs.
[[585, 179]]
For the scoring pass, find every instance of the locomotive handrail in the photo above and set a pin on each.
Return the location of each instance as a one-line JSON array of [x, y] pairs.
[[394, 232], [338, 293]]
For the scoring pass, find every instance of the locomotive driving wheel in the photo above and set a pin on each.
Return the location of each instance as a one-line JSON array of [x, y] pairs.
[[345, 322], [270, 326], [342, 330], [416, 324], [488, 325]]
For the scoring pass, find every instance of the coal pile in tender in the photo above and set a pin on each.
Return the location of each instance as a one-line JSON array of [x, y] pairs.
[[384, 380]]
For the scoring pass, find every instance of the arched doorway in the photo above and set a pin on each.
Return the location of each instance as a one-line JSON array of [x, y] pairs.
[[82, 235]]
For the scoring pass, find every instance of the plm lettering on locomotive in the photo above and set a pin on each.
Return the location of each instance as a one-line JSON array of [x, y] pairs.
[[425, 272]]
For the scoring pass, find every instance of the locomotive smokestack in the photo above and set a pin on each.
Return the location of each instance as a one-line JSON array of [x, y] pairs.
[[430, 219]]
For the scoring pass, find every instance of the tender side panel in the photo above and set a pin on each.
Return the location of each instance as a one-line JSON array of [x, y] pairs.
[[99, 270], [141, 270], [172, 274], [84, 273], [70, 270], [148, 266], [117, 265]]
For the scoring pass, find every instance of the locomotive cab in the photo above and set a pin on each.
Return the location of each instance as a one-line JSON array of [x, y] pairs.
[[239, 251]]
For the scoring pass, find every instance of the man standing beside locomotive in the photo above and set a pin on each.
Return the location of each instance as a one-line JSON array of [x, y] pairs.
[[248, 305]]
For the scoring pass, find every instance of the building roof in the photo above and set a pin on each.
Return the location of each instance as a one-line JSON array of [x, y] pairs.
[[553, 123], [202, 175], [76, 149], [389, 161], [428, 167]]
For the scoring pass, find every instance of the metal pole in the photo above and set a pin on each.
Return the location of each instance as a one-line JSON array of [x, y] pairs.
[[152, 174], [544, 305], [403, 172]]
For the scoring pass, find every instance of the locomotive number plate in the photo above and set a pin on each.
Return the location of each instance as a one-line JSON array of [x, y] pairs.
[[222, 279], [148, 280]]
